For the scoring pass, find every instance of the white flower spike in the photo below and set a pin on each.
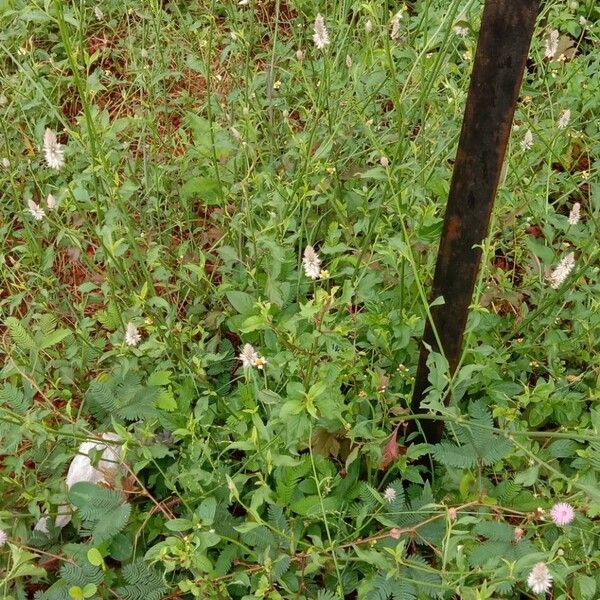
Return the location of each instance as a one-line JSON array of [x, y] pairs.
[[395, 34], [51, 202], [36, 211], [132, 335], [565, 266], [527, 141], [575, 214], [311, 263], [564, 119], [250, 358], [551, 44], [53, 150], [321, 35]]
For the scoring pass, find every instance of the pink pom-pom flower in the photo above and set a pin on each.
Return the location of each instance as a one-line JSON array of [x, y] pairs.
[[562, 514]]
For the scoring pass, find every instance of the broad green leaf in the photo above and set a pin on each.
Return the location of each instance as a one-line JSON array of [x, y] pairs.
[[160, 378], [241, 301]]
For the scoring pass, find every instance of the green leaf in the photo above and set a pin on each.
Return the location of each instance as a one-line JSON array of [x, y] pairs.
[[166, 401], [179, 525], [28, 570], [54, 338], [451, 455], [111, 524], [207, 509], [94, 557], [159, 378], [253, 323], [89, 590], [585, 587], [311, 505], [201, 188], [495, 531], [241, 301], [76, 592]]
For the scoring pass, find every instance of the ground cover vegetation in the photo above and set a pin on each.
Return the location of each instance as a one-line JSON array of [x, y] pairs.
[[218, 225]]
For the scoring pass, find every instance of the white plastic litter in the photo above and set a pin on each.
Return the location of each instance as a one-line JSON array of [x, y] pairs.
[[81, 469]]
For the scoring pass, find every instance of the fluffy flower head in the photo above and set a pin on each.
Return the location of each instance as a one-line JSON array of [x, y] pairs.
[[460, 31], [565, 266], [3, 538], [562, 514], [55, 155], [540, 579], [311, 263], [132, 335], [321, 35], [36, 211], [389, 494], [368, 26]]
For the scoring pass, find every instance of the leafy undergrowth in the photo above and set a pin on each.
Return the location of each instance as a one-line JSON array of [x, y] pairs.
[[217, 241]]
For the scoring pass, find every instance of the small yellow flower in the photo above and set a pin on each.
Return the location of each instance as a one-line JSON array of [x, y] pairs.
[[324, 274], [585, 175], [330, 170], [260, 362], [362, 394], [277, 85]]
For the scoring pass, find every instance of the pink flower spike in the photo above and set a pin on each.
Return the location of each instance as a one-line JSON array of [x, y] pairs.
[[562, 514]]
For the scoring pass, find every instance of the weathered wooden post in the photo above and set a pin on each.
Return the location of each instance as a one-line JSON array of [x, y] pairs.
[[504, 39]]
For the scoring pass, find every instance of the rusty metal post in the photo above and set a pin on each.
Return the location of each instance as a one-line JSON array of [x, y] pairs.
[[504, 39]]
